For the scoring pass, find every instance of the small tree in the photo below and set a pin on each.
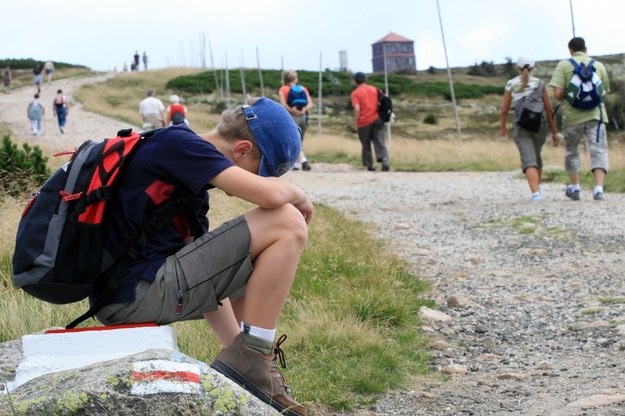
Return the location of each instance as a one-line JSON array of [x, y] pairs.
[[21, 170]]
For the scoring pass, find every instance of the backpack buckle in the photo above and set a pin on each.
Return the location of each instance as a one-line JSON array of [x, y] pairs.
[[70, 197], [248, 112]]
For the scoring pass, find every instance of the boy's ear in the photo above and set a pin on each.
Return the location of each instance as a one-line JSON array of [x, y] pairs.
[[241, 149]]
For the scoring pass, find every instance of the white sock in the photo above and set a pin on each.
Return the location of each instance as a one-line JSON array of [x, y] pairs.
[[575, 187], [303, 160], [262, 333], [536, 193], [598, 189]]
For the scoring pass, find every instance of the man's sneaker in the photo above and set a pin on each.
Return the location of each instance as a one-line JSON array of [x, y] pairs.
[[371, 168], [573, 194], [598, 196], [258, 373], [306, 166]]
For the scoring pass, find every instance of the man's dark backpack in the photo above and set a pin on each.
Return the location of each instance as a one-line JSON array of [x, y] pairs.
[[177, 118], [385, 106], [177, 114], [59, 249], [297, 97]]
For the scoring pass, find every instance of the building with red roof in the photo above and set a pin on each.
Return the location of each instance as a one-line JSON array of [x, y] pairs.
[[399, 52]]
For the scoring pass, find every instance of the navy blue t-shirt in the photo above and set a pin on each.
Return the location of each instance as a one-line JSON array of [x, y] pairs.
[[173, 158]]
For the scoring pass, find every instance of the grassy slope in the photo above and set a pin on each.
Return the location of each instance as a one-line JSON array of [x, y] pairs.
[[349, 337]]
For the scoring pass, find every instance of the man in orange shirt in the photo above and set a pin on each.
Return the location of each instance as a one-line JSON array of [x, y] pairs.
[[368, 123]]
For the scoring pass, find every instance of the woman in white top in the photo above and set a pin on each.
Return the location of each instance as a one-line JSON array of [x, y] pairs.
[[520, 91]]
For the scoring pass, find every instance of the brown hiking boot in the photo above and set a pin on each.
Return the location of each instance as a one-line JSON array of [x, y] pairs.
[[258, 373]]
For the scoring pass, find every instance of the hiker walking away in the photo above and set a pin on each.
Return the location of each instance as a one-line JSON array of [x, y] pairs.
[[35, 114], [584, 116], [176, 112], [48, 68], [296, 99], [60, 107], [7, 78], [136, 61], [145, 61], [532, 110], [368, 123], [152, 111], [238, 276], [37, 77]]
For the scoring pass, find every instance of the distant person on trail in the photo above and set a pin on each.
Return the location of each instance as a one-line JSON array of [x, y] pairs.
[[296, 99], [37, 77], [152, 111], [60, 107], [237, 276], [368, 123], [145, 61], [176, 112], [35, 114], [136, 60], [517, 90], [582, 121], [7, 78], [48, 67]]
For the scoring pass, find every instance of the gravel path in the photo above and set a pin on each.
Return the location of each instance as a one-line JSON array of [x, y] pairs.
[[530, 316], [524, 322]]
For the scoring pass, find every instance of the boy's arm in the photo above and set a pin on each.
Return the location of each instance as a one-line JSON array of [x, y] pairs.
[[267, 193]]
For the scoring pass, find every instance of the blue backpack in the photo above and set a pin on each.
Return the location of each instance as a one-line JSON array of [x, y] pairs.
[[585, 90], [297, 97], [34, 110]]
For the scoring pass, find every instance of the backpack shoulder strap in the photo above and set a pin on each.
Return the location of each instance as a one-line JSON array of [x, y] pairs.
[[538, 92], [576, 68]]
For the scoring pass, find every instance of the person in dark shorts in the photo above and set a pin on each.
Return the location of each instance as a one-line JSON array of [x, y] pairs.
[[237, 276]]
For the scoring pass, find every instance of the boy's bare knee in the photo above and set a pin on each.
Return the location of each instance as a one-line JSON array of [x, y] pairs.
[[294, 222]]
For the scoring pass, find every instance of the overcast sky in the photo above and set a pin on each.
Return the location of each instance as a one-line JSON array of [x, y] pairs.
[[302, 34]]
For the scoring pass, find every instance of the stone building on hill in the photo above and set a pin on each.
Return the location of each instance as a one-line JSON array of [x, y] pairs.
[[400, 54]]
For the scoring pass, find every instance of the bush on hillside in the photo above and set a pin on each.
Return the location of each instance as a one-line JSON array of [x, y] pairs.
[[334, 84], [485, 69], [615, 105], [29, 63], [21, 170]]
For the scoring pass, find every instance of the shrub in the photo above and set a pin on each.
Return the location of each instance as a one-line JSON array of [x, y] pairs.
[[430, 119], [21, 170], [614, 104], [485, 69]]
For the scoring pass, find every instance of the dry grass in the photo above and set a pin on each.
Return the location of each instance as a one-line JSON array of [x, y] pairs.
[[478, 153], [119, 97]]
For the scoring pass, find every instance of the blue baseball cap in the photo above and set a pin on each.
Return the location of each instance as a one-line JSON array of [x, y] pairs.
[[277, 136]]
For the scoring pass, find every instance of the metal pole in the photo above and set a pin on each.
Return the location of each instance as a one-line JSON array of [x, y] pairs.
[[388, 125], [572, 19], [217, 85], [260, 74], [227, 83], [243, 89], [320, 95], [451, 83]]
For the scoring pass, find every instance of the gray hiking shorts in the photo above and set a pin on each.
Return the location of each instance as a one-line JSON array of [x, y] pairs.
[[594, 136], [530, 145], [213, 267]]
